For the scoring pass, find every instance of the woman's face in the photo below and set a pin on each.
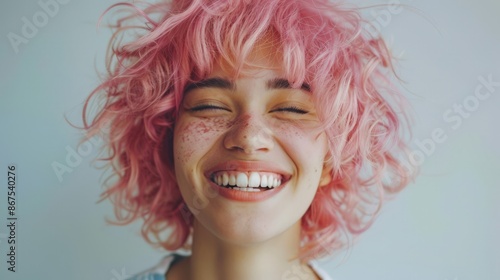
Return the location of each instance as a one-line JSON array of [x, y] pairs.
[[249, 132]]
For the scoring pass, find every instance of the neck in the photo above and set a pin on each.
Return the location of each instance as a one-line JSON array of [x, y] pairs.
[[215, 259]]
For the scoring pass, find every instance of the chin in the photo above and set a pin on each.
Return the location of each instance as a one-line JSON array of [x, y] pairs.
[[246, 231]]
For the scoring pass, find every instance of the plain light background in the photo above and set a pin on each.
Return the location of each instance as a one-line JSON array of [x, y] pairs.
[[445, 225]]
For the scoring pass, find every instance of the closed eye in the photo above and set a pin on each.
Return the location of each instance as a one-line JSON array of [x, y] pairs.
[[206, 107], [291, 109]]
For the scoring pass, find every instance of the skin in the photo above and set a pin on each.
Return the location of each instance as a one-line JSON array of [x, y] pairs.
[[250, 121]]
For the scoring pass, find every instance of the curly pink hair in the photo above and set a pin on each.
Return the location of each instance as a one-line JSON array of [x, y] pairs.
[[320, 42]]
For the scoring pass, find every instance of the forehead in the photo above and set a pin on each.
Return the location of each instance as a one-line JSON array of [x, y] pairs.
[[265, 58], [263, 61]]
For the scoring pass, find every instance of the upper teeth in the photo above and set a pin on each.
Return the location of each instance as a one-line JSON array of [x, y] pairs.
[[244, 180]]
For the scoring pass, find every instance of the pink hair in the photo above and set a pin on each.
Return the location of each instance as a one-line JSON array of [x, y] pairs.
[[321, 43]]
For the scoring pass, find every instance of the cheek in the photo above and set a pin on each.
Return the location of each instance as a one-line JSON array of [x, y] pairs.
[[307, 148], [196, 136], [306, 144]]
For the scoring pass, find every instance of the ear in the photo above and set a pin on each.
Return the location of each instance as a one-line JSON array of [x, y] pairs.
[[326, 175]]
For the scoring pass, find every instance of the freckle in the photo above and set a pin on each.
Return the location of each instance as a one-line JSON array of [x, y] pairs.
[[202, 128]]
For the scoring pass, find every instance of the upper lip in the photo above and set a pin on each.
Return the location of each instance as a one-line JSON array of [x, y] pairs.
[[248, 166]]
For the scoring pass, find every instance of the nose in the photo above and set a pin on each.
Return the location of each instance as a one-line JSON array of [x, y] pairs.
[[249, 134]]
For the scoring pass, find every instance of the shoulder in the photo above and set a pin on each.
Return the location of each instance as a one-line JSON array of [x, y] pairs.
[[319, 271], [158, 271]]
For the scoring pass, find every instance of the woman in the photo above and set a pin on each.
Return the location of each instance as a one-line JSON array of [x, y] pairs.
[[258, 135]]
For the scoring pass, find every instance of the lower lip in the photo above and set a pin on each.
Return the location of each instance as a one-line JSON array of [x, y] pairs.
[[237, 195]]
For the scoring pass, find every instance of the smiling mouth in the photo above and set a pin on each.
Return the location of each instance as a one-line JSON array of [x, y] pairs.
[[247, 181]]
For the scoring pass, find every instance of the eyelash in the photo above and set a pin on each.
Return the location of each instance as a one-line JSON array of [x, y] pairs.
[[206, 107], [291, 109]]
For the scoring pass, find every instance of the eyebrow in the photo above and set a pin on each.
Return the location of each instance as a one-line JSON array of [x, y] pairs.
[[280, 83], [276, 83], [210, 83]]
